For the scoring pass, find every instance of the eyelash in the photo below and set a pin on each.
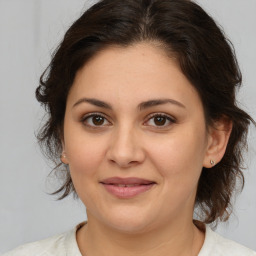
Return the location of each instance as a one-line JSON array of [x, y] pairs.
[[168, 118], [86, 117]]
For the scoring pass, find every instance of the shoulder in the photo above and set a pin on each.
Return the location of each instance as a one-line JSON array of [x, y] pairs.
[[40, 248], [59, 245], [216, 245]]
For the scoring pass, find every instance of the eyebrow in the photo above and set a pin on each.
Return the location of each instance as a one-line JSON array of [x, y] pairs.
[[152, 103], [94, 102], [141, 106]]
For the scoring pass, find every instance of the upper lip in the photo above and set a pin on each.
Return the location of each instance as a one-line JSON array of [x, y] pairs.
[[126, 181]]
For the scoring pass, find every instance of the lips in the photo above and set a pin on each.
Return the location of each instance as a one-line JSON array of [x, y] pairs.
[[127, 187]]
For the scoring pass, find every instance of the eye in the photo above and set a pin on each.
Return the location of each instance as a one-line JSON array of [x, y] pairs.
[[95, 120], [160, 120]]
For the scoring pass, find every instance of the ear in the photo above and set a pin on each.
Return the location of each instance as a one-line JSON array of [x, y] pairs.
[[63, 156], [218, 136]]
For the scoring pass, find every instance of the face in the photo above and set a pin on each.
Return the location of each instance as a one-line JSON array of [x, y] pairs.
[[135, 139]]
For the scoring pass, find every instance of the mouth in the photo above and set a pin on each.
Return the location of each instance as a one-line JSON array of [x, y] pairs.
[[127, 187]]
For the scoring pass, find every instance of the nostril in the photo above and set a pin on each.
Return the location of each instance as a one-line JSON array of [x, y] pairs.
[[124, 164], [125, 154]]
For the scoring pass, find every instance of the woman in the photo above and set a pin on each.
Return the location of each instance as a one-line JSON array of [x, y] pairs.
[[142, 112]]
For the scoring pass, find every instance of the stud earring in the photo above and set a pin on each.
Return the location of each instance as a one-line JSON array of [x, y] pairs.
[[63, 158], [212, 162]]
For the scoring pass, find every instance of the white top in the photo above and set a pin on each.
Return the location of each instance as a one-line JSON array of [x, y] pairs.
[[66, 245]]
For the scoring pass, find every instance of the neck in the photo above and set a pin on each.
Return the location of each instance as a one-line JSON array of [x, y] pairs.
[[183, 239]]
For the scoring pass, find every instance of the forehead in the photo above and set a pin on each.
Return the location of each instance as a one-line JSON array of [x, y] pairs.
[[132, 74]]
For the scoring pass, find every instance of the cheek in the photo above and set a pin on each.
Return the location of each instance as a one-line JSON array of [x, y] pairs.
[[179, 157], [85, 158], [85, 155]]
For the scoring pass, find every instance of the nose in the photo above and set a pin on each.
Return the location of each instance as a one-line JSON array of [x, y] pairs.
[[126, 148]]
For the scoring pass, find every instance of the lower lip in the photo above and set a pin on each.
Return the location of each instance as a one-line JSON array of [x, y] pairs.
[[127, 192]]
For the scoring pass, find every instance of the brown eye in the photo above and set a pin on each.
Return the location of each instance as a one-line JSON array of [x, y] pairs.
[[95, 120], [98, 120], [160, 120]]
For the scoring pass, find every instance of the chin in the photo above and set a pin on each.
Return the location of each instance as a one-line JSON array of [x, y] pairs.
[[129, 223]]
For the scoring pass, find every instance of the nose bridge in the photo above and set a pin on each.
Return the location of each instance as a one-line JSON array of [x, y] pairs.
[[125, 148]]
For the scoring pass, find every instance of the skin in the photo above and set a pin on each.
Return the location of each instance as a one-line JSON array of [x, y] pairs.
[[128, 142]]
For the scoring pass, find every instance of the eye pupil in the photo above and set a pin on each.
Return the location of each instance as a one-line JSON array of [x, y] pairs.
[[159, 120], [98, 120]]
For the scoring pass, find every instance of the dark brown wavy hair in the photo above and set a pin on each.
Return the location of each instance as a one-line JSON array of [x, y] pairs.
[[206, 57]]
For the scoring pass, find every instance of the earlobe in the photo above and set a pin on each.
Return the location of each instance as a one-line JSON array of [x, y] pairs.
[[218, 137], [63, 158]]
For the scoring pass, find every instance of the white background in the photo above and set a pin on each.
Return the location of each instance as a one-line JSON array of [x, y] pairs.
[[29, 32]]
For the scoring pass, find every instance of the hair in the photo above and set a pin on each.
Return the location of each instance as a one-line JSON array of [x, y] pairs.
[[205, 56]]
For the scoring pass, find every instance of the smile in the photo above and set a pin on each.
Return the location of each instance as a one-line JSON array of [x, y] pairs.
[[125, 188], [123, 185]]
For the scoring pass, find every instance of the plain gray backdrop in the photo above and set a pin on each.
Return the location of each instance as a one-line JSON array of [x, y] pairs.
[[29, 32]]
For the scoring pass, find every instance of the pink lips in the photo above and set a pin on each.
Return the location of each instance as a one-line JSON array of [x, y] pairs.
[[127, 187]]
